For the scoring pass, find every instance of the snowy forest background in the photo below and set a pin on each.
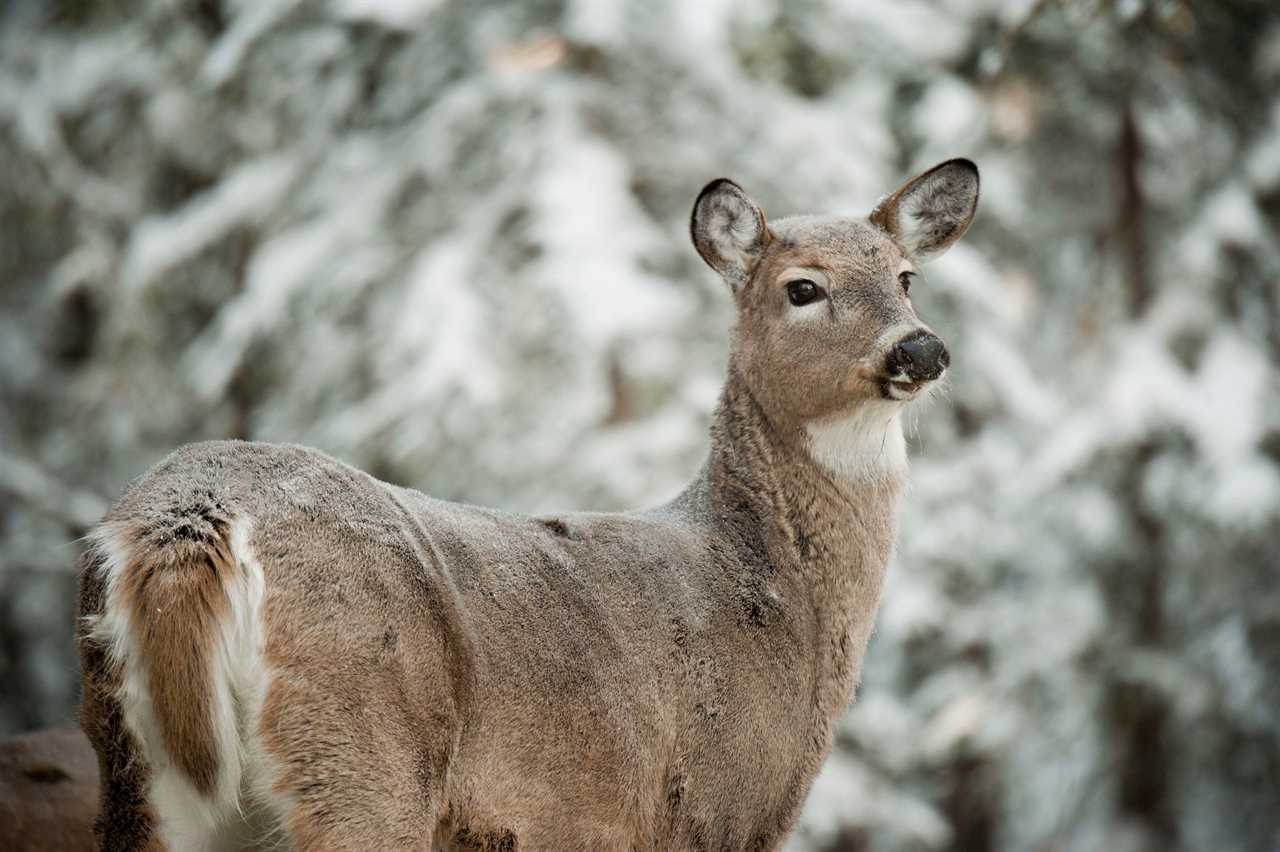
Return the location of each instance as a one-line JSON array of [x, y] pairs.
[[446, 241]]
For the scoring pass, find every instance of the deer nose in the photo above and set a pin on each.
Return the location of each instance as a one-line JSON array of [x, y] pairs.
[[922, 356]]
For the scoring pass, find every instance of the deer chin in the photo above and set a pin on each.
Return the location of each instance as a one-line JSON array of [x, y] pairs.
[[903, 389]]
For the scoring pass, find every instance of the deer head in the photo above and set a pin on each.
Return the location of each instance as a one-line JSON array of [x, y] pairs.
[[826, 331]]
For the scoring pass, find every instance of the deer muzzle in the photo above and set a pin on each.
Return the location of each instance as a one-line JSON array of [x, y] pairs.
[[918, 357]]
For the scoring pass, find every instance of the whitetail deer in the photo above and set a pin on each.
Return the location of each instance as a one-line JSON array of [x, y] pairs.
[[48, 792], [282, 650]]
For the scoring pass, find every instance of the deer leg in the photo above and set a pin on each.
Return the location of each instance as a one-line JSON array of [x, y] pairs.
[[333, 805], [125, 820], [349, 777]]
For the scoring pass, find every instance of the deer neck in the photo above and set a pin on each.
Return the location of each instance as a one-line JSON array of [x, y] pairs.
[[816, 530]]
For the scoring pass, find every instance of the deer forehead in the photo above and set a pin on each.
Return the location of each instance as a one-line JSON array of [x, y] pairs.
[[847, 247]]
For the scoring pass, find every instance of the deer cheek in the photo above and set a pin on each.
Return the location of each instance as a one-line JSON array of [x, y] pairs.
[[860, 380]]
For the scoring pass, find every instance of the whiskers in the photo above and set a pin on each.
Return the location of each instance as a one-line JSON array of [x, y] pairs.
[[928, 398]]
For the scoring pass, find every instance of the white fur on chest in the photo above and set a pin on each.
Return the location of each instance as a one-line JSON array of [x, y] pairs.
[[865, 445]]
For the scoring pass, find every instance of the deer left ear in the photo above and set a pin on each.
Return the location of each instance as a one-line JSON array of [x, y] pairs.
[[729, 231], [932, 210]]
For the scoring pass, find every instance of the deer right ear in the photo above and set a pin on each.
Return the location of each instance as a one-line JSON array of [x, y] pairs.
[[932, 210], [729, 231]]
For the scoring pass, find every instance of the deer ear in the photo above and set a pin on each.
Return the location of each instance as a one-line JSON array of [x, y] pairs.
[[728, 230], [932, 210]]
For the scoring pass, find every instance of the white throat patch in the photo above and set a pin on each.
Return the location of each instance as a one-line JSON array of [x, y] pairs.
[[865, 445]]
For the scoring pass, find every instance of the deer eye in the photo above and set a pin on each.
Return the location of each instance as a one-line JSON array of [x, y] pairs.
[[904, 279], [803, 291]]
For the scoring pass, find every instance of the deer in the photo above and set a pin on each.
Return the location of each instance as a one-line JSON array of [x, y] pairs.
[[48, 791], [280, 651]]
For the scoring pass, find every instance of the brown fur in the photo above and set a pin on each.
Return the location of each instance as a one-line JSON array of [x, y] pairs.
[[441, 673], [48, 792], [174, 590]]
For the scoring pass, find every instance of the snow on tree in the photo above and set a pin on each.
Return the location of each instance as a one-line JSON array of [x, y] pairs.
[[447, 242]]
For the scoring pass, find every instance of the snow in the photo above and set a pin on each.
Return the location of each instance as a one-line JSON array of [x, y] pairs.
[[395, 14], [226, 55], [846, 794], [950, 117], [242, 198], [448, 243], [594, 242]]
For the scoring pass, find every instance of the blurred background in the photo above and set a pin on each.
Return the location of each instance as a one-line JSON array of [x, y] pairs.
[[446, 242]]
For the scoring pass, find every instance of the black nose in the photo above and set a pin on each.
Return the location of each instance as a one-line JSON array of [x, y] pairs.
[[922, 356]]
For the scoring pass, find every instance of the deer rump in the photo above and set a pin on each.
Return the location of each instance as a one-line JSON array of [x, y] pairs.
[[288, 637]]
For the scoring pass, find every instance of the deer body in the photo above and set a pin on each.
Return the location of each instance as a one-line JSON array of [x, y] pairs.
[[280, 649]]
